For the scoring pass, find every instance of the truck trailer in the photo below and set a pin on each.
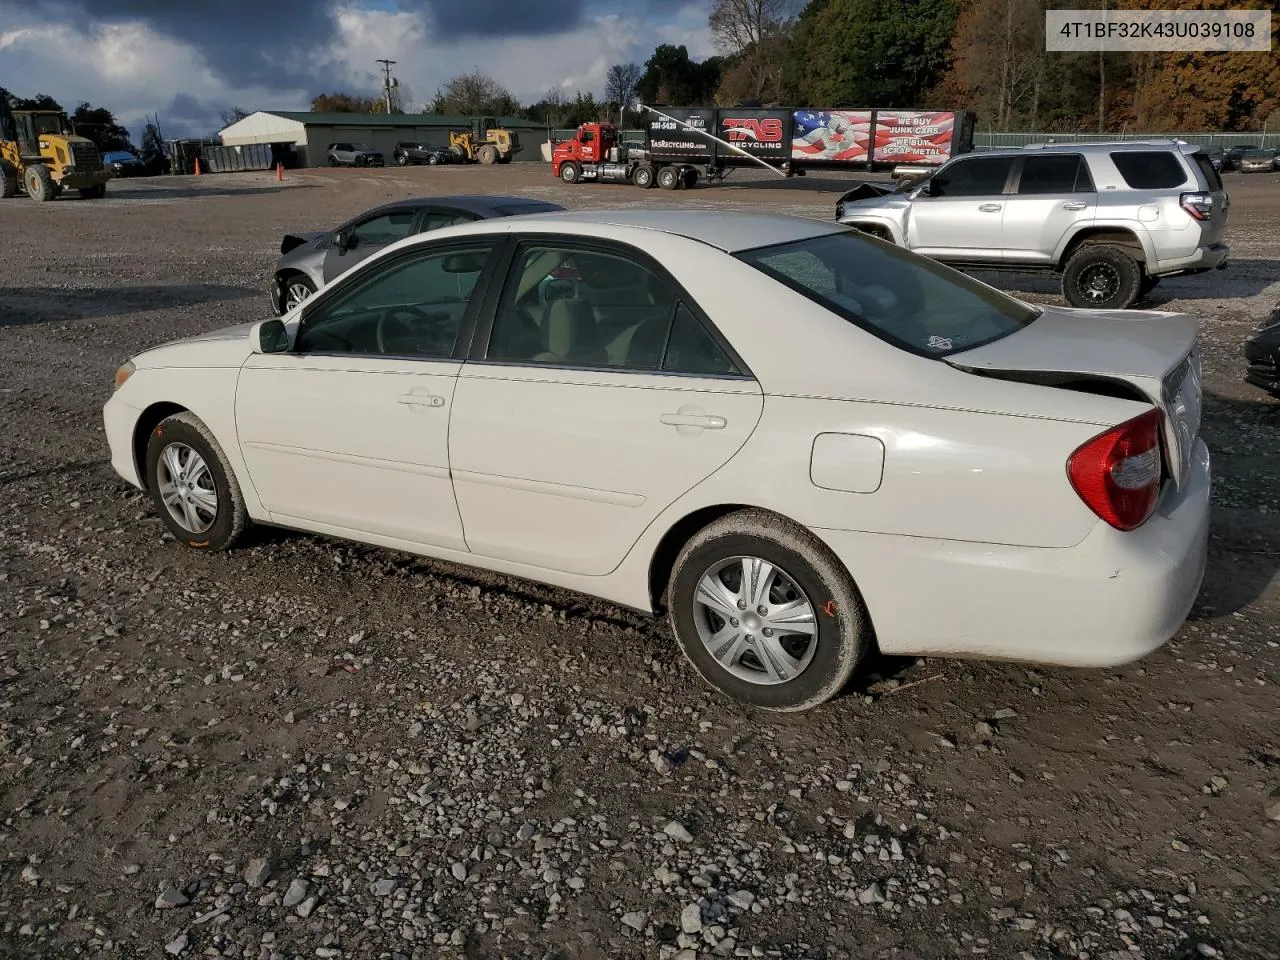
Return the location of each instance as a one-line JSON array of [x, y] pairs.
[[682, 145]]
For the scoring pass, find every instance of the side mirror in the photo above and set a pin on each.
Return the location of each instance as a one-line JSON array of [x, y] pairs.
[[344, 241], [269, 336]]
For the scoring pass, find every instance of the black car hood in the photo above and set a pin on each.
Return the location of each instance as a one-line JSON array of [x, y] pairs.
[[292, 241]]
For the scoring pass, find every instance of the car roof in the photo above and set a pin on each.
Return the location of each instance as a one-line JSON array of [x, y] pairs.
[[729, 231], [1097, 146], [472, 203]]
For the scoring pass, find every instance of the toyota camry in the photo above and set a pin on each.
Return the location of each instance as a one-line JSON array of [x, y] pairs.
[[796, 441]]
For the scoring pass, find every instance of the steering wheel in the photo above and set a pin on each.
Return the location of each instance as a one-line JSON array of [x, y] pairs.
[[394, 317]]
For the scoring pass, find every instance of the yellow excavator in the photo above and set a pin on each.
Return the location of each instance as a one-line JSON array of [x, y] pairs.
[[41, 154], [485, 142]]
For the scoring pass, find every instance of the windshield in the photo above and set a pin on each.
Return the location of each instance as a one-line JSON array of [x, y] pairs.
[[914, 303], [46, 123]]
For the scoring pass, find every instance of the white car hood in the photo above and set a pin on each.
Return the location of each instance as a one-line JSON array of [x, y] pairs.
[[1151, 350], [228, 346]]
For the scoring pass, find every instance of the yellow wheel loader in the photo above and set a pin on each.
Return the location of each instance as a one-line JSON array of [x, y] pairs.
[[485, 142], [41, 155]]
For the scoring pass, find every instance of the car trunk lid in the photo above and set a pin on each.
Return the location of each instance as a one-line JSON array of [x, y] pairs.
[[1153, 352]]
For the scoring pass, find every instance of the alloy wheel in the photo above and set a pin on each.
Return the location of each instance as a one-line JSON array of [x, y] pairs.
[[187, 487]]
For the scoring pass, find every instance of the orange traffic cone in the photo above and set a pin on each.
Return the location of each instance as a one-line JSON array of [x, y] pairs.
[[196, 161], [280, 172]]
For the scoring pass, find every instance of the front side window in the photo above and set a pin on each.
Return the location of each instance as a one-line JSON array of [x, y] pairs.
[[908, 300], [971, 177], [408, 308], [382, 230], [567, 306]]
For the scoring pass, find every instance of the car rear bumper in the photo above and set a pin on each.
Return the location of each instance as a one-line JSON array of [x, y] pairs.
[[1207, 257], [119, 420], [1110, 599]]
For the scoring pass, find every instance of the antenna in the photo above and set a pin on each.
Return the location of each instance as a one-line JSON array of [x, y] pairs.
[[387, 83]]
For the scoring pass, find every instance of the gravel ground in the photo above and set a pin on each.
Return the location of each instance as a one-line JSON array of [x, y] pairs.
[[306, 748]]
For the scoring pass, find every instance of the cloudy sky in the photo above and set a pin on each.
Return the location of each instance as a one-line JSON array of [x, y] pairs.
[[189, 61]]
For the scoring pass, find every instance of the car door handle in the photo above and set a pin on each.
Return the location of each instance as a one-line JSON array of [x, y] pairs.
[[706, 422], [990, 207], [1074, 205], [420, 400]]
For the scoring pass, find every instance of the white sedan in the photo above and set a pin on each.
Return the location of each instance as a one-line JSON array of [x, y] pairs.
[[798, 441]]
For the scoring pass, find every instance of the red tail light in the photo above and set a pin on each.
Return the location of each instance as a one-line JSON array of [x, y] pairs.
[[1199, 205], [1117, 474]]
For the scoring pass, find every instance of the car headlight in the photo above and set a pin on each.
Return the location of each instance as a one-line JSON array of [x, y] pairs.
[[126, 370]]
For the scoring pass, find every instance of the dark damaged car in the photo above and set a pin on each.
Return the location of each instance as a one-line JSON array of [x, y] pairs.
[[310, 260]]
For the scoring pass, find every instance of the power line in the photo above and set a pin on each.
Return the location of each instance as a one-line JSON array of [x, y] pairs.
[[386, 81]]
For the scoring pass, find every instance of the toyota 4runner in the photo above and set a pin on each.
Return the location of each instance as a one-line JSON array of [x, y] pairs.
[[1110, 218]]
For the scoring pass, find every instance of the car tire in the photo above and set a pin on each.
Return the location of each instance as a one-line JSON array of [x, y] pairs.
[[570, 172], [39, 183], [669, 178], [1101, 276], [433, 160], [8, 181], [333, 161], [643, 176], [361, 161], [487, 154], [803, 575], [294, 289], [170, 449], [401, 159]]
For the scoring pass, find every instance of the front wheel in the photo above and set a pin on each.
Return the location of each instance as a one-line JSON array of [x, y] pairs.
[[766, 613], [570, 172], [1101, 277], [192, 484], [296, 289], [401, 159], [39, 183]]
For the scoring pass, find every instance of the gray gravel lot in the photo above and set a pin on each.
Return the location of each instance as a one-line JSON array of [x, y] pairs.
[[306, 748]]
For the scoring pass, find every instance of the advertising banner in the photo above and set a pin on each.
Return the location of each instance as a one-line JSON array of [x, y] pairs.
[[841, 135], [913, 136], [675, 139], [761, 133]]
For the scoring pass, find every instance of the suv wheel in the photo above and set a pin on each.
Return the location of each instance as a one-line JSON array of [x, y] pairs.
[[1101, 277]]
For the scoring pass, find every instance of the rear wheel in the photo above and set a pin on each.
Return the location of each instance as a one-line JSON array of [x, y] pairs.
[[39, 183], [766, 613], [1102, 277], [643, 177], [192, 484], [8, 181], [96, 192], [361, 161], [570, 172], [688, 177], [488, 154], [669, 178]]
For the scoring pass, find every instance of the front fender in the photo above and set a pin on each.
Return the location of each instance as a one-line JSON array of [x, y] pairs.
[[865, 220]]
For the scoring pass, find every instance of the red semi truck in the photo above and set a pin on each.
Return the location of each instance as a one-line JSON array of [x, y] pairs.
[[682, 145]]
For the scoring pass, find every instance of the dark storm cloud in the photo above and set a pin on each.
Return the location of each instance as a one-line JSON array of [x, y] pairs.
[[504, 18]]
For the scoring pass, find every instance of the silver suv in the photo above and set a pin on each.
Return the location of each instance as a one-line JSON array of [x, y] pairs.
[[1110, 218]]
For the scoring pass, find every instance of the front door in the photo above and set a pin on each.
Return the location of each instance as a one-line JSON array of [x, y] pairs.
[[959, 211], [1053, 193], [366, 237], [595, 404], [350, 429]]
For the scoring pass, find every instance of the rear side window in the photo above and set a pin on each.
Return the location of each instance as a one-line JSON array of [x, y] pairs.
[[972, 177], [1061, 173], [1211, 177], [1150, 169]]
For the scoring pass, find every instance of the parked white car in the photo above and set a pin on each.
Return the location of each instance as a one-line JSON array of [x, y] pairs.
[[798, 440]]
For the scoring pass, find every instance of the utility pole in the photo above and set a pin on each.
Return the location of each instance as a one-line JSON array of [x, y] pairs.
[[386, 82]]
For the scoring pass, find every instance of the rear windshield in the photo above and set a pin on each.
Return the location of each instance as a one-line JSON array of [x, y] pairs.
[[1205, 163], [912, 302], [1150, 169]]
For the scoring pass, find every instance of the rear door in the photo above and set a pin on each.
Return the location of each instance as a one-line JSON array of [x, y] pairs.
[[590, 408], [369, 235], [1053, 196], [959, 211]]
